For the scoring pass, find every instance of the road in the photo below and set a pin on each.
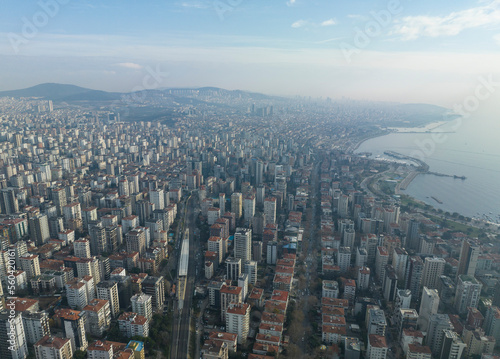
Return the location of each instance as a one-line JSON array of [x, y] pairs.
[[312, 239], [182, 319]]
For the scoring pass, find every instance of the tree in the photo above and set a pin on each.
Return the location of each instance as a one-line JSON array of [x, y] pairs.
[[79, 354]]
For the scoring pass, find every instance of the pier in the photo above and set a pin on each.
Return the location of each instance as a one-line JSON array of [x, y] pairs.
[[423, 168]]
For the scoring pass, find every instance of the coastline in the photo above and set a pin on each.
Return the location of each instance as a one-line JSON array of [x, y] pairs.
[[479, 223], [361, 141]]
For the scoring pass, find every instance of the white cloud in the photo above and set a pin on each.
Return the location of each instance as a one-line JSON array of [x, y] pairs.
[[195, 5], [291, 2], [329, 22], [130, 65], [306, 23], [299, 23], [414, 27]]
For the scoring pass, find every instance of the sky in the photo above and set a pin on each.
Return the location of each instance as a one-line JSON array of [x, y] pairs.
[[392, 50]]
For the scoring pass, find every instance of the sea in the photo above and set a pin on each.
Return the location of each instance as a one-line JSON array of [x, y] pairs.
[[467, 147]]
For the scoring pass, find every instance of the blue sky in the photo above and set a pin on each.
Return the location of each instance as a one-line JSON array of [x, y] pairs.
[[407, 51]]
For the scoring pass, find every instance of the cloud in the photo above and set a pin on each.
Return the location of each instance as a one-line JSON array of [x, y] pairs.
[[299, 23], [305, 23], [328, 40], [195, 5], [291, 2], [414, 27], [130, 65], [329, 22]]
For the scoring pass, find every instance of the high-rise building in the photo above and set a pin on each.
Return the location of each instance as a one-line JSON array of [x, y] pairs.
[[259, 173], [39, 229], [467, 294], [222, 202], [82, 248], [233, 268], [8, 201], [155, 287], [400, 261], [53, 348], [413, 276], [136, 241], [13, 342], [492, 323], [108, 290], [433, 269], [249, 208], [238, 320], [477, 342], [73, 323], [412, 236], [250, 268], [363, 278], [468, 258], [377, 347], [142, 304], [30, 265], [344, 258], [434, 337], [98, 243], [36, 325], [243, 244], [428, 305], [452, 346], [237, 204], [98, 316], [270, 209], [352, 348], [381, 260], [157, 197]]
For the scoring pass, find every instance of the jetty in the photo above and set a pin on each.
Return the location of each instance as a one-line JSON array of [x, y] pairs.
[[423, 167]]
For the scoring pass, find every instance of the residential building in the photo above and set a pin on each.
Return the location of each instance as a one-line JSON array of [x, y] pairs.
[[433, 269], [467, 294], [377, 347], [238, 320], [13, 342], [428, 305], [98, 315], [108, 290], [53, 348], [142, 304], [243, 244]]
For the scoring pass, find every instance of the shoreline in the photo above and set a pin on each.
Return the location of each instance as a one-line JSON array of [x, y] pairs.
[[389, 130]]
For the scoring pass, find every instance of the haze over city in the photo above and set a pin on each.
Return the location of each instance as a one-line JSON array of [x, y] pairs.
[[249, 179], [402, 51]]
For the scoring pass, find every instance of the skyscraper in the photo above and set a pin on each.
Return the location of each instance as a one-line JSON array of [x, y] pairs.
[[270, 209], [468, 258], [222, 203], [39, 229], [492, 322], [243, 244], [467, 294], [433, 269], [428, 305], [452, 346], [12, 338], [158, 198], [237, 204], [413, 278], [8, 201], [434, 338]]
